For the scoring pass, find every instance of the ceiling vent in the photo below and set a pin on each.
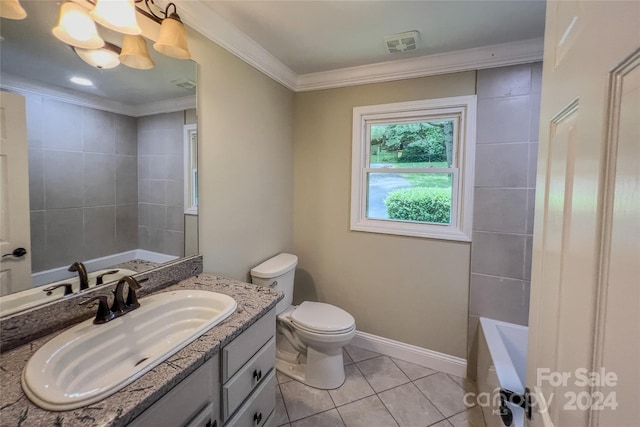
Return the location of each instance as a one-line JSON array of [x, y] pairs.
[[184, 83], [402, 42]]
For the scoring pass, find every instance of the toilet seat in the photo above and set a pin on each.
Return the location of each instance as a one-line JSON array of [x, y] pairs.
[[321, 318]]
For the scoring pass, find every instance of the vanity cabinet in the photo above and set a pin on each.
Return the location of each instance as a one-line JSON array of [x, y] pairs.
[[192, 403], [248, 375], [235, 388]]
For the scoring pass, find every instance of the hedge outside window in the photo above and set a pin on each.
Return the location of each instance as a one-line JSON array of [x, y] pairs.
[[412, 171]]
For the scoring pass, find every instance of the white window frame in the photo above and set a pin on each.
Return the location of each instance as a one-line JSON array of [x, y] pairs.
[[461, 107], [190, 132]]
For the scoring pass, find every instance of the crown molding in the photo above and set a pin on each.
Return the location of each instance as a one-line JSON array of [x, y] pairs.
[[197, 15], [499, 55], [25, 86]]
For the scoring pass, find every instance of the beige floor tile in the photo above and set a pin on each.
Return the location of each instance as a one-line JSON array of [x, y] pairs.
[[329, 418], [355, 387], [412, 370], [382, 373], [282, 378], [465, 383], [368, 412], [443, 392], [280, 417], [358, 354], [443, 423], [346, 359], [470, 418], [409, 407], [302, 401]]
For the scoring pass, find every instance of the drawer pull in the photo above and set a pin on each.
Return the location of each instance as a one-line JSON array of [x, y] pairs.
[[257, 374], [274, 284], [257, 417]]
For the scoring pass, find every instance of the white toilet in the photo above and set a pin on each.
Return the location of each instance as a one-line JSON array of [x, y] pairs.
[[309, 336]]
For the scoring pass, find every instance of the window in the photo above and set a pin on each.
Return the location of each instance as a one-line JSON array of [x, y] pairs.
[[191, 169], [412, 170]]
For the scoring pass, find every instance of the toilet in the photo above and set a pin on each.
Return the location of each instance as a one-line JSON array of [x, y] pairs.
[[310, 336]]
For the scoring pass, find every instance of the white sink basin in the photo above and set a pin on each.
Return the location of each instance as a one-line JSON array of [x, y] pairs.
[[88, 362]]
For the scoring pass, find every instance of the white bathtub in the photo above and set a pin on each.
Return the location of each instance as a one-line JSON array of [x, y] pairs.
[[502, 364]]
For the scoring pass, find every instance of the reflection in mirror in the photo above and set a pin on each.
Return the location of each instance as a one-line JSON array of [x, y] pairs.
[[111, 166]]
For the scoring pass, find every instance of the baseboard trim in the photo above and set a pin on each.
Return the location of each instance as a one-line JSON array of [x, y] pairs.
[[420, 356]]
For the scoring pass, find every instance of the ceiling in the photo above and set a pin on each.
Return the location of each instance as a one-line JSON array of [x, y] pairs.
[[317, 36]]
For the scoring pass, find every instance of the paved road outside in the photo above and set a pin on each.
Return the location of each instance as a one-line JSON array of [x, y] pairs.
[[380, 184]]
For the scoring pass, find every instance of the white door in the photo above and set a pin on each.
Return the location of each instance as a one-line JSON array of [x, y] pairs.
[[584, 326], [15, 272]]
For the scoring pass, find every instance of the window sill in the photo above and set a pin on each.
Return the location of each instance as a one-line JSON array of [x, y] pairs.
[[440, 232]]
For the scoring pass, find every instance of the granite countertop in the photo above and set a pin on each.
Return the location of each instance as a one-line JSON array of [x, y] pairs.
[[122, 407]]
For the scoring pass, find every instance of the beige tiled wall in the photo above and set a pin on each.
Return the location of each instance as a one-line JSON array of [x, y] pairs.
[[506, 158]]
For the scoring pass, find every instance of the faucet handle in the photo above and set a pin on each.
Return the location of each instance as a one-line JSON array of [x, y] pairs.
[[100, 277], [104, 314], [68, 290]]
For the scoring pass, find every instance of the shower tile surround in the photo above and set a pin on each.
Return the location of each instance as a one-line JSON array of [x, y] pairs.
[[102, 183], [505, 173], [122, 407]]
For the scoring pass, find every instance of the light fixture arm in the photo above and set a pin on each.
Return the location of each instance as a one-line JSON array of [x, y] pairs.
[[149, 13]]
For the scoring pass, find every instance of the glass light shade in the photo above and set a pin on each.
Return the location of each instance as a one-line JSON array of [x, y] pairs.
[[135, 53], [76, 28], [103, 58], [117, 15], [172, 40], [11, 9]]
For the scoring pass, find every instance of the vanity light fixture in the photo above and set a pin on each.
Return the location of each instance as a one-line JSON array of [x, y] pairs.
[[11, 9], [172, 40], [117, 15], [104, 58], [135, 53], [76, 28]]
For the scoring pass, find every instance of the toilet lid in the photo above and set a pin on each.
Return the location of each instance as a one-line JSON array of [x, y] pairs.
[[318, 316]]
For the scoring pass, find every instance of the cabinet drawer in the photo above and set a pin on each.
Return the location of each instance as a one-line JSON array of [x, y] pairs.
[[184, 401], [240, 350], [256, 410], [247, 378], [206, 418]]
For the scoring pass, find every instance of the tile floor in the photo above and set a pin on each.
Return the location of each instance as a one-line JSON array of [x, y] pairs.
[[379, 392]]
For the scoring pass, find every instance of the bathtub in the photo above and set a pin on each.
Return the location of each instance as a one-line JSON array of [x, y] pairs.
[[501, 364]]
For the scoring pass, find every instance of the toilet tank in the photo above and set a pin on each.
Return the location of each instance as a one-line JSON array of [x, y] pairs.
[[277, 272]]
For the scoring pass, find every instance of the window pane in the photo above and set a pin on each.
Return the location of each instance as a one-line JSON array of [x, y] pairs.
[[412, 145], [416, 197]]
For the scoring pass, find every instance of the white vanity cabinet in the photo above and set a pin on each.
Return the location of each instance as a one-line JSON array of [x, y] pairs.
[[248, 375]]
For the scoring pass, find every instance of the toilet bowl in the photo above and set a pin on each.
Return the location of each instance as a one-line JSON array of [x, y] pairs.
[[310, 336]]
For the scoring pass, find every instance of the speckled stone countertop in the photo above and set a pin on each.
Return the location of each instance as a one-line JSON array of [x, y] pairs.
[[122, 407]]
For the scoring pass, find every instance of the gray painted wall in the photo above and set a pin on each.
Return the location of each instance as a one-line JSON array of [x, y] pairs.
[[506, 159]]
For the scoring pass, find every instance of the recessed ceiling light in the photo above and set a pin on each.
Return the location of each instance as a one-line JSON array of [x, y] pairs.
[[81, 81]]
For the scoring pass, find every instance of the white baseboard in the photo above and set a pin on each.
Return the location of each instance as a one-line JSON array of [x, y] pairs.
[[420, 356]]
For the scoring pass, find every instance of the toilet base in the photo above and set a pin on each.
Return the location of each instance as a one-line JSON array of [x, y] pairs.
[[322, 370]]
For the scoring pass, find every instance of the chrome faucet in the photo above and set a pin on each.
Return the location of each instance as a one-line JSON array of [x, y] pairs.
[[82, 274]]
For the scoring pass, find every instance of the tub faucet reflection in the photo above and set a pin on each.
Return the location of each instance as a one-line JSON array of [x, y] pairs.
[[82, 274]]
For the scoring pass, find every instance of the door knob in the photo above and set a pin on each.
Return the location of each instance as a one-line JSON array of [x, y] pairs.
[[17, 253]]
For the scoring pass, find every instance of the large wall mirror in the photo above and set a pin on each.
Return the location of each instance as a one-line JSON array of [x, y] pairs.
[[112, 169]]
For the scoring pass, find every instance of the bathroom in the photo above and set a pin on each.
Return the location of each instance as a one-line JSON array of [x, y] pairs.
[[283, 199]]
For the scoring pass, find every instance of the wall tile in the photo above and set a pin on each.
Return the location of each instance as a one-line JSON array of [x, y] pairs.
[[504, 81], [532, 168], [35, 120], [62, 126], [99, 179], [157, 216], [174, 142], [173, 243], [501, 165], [498, 254], [99, 231], [175, 193], [126, 135], [64, 237], [501, 210], [499, 298], [38, 250], [175, 167], [143, 214], [503, 120], [98, 129], [36, 179], [152, 191], [536, 77], [528, 252], [126, 180], [126, 227], [531, 208], [175, 218], [534, 121], [63, 179]]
